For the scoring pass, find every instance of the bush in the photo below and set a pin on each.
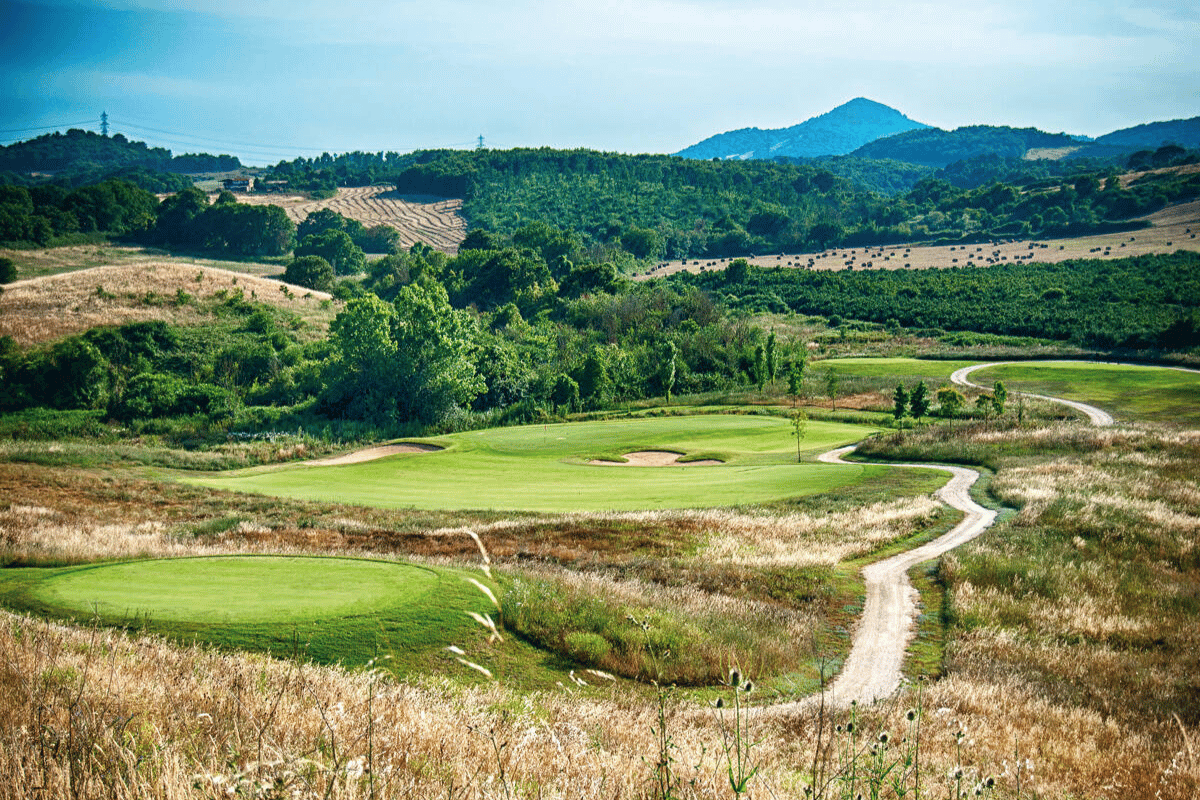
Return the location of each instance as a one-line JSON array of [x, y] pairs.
[[312, 272], [587, 648], [8, 270]]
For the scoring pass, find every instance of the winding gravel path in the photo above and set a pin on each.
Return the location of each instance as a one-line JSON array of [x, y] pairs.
[[873, 669], [1098, 417]]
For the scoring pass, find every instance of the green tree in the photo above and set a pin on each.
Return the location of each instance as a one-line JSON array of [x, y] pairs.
[[951, 402], [8, 270], [918, 400], [565, 394], [336, 247], [799, 428], [999, 397], [796, 378], [360, 376], [771, 366], [832, 384], [433, 363], [595, 384], [760, 365], [985, 405], [670, 354], [899, 402], [312, 272]]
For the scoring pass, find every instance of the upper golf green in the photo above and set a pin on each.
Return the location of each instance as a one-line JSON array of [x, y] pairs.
[[544, 467]]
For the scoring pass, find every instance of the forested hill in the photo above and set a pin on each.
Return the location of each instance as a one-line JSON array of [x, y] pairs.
[[935, 147], [1183, 132], [835, 133], [84, 151]]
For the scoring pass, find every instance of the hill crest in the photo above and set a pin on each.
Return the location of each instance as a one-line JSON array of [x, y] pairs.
[[835, 132]]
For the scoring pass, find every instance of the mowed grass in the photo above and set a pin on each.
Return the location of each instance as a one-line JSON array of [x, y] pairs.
[[328, 609], [1155, 394], [544, 468], [902, 369]]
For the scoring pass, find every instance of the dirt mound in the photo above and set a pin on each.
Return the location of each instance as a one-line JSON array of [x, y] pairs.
[[436, 221], [372, 453], [656, 458]]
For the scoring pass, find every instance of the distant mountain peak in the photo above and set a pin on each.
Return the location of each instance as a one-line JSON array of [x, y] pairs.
[[836, 132]]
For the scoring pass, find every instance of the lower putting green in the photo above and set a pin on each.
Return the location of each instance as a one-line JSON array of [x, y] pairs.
[[345, 610], [544, 468], [239, 589]]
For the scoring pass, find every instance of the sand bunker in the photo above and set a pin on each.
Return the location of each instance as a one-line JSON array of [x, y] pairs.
[[372, 453], [656, 458]]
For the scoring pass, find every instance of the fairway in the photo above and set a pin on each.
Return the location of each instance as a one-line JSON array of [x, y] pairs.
[[335, 609], [544, 468], [902, 369], [1155, 394]]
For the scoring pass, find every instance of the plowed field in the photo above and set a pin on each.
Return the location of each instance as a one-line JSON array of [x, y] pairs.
[[436, 221]]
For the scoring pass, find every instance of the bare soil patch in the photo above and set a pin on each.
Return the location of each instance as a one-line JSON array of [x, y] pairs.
[[52, 306], [1174, 228], [372, 453], [656, 458], [436, 221]]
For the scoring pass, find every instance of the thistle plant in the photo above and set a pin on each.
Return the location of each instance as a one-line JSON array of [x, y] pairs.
[[734, 737]]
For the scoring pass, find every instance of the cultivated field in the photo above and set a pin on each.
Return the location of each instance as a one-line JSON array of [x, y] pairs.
[[136, 286], [436, 221], [1175, 228]]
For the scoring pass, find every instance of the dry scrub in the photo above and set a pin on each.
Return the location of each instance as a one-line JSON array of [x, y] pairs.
[[47, 308]]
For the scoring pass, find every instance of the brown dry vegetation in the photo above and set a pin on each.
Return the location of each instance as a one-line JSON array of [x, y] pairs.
[[436, 221], [140, 288], [1172, 230], [1059, 657]]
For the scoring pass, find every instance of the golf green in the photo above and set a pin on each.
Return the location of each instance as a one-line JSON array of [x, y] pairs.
[[330, 610], [545, 467], [238, 588]]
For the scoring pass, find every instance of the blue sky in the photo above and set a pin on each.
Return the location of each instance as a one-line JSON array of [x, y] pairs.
[[279, 78]]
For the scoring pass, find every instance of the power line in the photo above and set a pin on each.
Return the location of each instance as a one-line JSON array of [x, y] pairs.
[[49, 127]]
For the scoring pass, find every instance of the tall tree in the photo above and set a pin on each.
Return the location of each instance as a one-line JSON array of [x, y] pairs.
[[832, 384], [899, 402], [951, 402], [918, 401]]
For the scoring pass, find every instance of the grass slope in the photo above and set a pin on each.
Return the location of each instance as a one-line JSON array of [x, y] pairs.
[[544, 468], [1153, 394], [333, 609]]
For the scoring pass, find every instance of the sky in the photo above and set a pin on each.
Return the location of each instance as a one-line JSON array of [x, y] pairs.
[[269, 80]]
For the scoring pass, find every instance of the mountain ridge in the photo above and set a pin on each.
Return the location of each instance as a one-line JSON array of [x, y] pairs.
[[836, 132]]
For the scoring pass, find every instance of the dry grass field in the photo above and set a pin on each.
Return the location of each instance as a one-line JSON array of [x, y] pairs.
[[1175, 228], [140, 287], [1071, 669], [436, 221]]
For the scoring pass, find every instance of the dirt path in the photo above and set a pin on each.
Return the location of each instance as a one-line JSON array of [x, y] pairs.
[[1097, 416], [873, 669]]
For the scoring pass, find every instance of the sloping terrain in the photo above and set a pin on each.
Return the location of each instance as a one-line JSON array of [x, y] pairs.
[[436, 221], [52, 306]]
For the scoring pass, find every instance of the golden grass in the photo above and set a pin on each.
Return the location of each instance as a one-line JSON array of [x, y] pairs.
[[1075, 664], [52, 306]]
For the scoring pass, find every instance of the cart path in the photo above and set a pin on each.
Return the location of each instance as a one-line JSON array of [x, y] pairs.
[[1097, 416], [872, 670]]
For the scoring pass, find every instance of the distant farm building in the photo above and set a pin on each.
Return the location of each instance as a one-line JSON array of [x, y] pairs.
[[237, 184]]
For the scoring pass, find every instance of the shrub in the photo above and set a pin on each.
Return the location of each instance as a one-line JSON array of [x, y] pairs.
[[312, 272]]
